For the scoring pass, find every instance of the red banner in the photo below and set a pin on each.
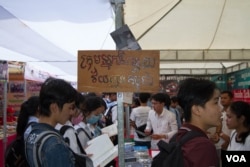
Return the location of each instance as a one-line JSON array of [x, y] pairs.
[[242, 94]]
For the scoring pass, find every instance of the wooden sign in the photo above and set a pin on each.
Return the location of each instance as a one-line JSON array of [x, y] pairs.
[[118, 71]]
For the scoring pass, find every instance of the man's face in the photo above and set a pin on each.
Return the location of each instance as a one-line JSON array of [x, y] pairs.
[[113, 97], [173, 104], [157, 106], [211, 112], [225, 100], [65, 114]]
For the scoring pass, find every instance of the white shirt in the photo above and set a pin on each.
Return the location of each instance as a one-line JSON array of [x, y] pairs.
[[236, 146], [113, 111], [114, 114], [28, 129], [81, 135], [70, 134], [224, 130], [140, 116], [162, 124]]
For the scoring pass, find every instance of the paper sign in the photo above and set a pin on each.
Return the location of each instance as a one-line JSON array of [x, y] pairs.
[[127, 97]]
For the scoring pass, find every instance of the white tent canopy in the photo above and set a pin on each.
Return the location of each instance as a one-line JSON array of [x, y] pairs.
[[212, 33], [52, 32]]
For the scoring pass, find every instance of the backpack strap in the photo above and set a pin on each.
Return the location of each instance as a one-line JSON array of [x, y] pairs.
[[30, 124], [63, 129], [173, 141], [79, 145], [83, 130], [39, 142], [190, 134], [110, 109]]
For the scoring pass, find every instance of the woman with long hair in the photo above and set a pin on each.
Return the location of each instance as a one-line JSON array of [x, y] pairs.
[[28, 113], [238, 118]]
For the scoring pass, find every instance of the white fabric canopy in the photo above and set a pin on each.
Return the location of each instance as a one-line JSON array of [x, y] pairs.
[[52, 32], [187, 30], [191, 24]]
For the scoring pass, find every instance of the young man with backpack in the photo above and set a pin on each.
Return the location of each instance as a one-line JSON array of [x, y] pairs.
[[199, 100], [57, 102]]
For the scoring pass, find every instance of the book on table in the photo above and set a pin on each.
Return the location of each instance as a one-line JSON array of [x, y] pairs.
[[102, 149]]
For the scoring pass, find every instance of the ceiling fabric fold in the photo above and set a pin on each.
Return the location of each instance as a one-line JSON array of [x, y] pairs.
[[212, 33], [55, 36]]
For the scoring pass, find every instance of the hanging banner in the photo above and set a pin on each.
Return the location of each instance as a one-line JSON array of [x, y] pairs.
[[239, 80], [16, 94], [34, 74], [242, 95], [118, 71], [33, 88]]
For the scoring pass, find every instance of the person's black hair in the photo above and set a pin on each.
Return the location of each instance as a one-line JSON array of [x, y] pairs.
[[55, 91], [167, 101], [136, 102], [159, 97], [240, 108], [91, 94], [194, 92], [143, 97], [111, 93], [91, 104], [104, 104], [230, 94], [80, 100], [28, 108], [174, 99]]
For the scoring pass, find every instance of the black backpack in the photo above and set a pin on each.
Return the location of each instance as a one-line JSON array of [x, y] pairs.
[[15, 152], [170, 154], [63, 129]]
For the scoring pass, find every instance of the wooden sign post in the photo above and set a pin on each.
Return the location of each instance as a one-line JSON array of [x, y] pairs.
[[118, 71]]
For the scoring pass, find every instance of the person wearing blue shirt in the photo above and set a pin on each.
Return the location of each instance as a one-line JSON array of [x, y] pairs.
[[173, 108]]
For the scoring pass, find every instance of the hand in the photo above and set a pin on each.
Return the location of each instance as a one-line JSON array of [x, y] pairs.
[[147, 132], [215, 138], [226, 142], [132, 123], [90, 155], [158, 136]]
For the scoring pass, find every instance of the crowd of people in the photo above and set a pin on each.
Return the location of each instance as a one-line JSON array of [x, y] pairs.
[[223, 124]]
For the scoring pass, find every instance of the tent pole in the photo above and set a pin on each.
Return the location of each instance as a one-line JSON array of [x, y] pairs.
[[118, 7]]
